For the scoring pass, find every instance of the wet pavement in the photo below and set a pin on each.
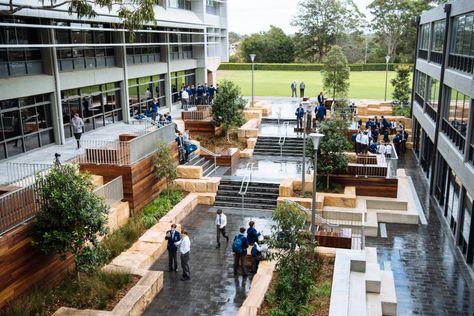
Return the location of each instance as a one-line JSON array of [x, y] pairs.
[[213, 290], [429, 280]]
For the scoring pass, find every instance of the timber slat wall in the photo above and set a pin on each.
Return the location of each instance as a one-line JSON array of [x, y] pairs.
[[203, 128], [22, 265], [370, 186]]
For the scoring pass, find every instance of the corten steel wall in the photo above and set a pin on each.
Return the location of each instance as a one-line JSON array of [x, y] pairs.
[[23, 266]]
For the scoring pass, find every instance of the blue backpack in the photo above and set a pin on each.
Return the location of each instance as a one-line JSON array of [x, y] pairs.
[[237, 245]]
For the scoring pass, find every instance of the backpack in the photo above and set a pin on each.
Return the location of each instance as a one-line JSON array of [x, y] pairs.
[[237, 245]]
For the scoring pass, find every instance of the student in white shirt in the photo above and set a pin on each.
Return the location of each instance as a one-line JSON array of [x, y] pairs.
[[184, 246], [381, 149], [364, 142], [388, 151], [358, 137], [221, 223]]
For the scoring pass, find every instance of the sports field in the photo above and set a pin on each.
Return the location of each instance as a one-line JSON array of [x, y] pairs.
[[363, 84]]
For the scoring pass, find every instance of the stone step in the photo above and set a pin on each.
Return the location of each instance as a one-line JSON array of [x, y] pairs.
[[238, 199], [271, 195], [388, 296], [357, 299], [237, 184], [246, 205]]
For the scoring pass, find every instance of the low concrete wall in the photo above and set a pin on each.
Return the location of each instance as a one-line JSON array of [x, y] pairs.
[[249, 129], [202, 185], [189, 172]]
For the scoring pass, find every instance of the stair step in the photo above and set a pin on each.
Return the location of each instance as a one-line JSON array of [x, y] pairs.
[[251, 194], [246, 205], [226, 198]]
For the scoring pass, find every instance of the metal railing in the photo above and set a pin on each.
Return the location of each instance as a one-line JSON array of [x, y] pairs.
[[22, 174], [245, 183], [338, 222], [140, 147], [112, 191], [282, 139], [213, 155], [17, 207], [385, 164]]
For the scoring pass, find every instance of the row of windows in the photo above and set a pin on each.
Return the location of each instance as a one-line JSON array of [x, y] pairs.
[[141, 91], [456, 111]]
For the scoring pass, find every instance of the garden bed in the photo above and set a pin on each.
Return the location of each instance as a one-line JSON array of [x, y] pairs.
[[320, 297], [216, 144]]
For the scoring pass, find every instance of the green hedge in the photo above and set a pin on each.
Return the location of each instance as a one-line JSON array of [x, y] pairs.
[[302, 67]]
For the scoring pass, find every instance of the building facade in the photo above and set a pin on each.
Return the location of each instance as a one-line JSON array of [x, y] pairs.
[[443, 118], [53, 64]]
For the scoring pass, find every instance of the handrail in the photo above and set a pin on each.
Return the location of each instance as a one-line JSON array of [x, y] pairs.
[[282, 139], [212, 154], [319, 218], [246, 179]]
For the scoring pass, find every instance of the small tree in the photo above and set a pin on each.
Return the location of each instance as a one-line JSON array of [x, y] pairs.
[[228, 106], [336, 72], [71, 216], [401, 84], [289, 225], [164, 164], [331, 153]]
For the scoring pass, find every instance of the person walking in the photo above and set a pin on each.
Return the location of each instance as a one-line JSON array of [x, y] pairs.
[[302, 87], [252, 233], [172, 236], [299, 116], [184, 246], [77, 128], [239, 247], [294, 94], [221, 223]]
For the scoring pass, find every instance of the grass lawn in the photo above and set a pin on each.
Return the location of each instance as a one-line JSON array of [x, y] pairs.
[[363, 84]]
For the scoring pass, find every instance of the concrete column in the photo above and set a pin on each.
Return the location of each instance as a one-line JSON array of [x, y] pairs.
[[56, 105], [122, 57], [201, 75], [168, 91]]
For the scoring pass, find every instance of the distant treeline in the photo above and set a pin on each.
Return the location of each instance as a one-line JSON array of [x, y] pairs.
[[304, 67]]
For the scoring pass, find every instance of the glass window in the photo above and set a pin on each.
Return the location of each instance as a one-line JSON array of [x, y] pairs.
[[424, 36], [433, 93], [462, 35], [438, 36], [420, 84], [456, 113]]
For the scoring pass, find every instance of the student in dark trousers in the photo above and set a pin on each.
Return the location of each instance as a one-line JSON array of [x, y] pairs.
[[299, 116], [184, 246], [77, 128], [221, 223], [239, 247], [302, 87], [256, 252], [252, 233], [294, 94], [172, 236]]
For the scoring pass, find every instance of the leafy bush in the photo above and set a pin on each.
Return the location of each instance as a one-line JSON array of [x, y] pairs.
[[304, 67], [401, 84], [401, 111], [227, 108], [164, 164]]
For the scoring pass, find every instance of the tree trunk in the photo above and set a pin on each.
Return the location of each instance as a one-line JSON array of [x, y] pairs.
[[327, 182]]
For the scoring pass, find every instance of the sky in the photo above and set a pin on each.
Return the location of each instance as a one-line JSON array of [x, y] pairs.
[[252, 16]]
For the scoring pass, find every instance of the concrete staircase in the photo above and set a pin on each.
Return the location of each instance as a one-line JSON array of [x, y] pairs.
[[268, 146], [360, 287], [207, 165], [259, 196]]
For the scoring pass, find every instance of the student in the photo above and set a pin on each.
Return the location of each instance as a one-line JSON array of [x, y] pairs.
[[386, 139], [388, 150], [321, 112], [184, 249], [396, 142], [77, 128], [199, 92], [302, 87], [256, 252], [168, 117], [403, 141], [221, 223], [181, 147], [381, 149], [184, 99], [239, 247], [212, 91], [299, 116], [172, 236], [364, 143], [358, 139], [321, 99], [293, 90], [252, 233], [154, 109], [393, 127]]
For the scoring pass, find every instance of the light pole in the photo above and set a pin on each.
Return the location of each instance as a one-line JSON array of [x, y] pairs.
[[252, 58], [316, 138], [387, 59], [304, 156]]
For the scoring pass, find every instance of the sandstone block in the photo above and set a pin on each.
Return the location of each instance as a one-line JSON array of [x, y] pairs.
[[132, 260], [213, 184], [246, 153], [97, 180], [251, 142], [123, 213], [286, 188], [189, 172], [151, 249], [112, 219], [207, 198]]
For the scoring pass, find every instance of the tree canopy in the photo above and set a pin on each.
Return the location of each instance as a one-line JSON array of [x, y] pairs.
[[228, 105], [273, 46], [133, 13], [336, 73], [321, 22]]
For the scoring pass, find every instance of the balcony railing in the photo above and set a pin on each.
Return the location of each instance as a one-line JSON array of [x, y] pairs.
[[461, 63], [112, 191], [419, 99], [143, 59], [453, 134], [436, 57], [431, 112], [423, 54], [22, 174], [17, 207], [70, 64]]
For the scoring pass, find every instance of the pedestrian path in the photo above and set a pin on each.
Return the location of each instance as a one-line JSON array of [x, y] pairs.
[[213, 288]]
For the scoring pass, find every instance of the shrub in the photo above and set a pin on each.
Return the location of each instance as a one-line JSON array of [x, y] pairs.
[[401, 111], [401, 85], [227, 108], [164, 164]]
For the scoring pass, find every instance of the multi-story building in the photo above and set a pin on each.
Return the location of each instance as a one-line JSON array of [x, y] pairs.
[[53, 64], [443, 117]]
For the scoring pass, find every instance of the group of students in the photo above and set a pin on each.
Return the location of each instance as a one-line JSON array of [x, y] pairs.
[[199, 95], [368, 140], [185, 147], [180, 242], [320, 112]]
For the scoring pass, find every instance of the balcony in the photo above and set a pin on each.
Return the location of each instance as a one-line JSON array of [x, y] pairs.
[[453, 134], [461, 63], [70, 64], [436, 57], [431, 112], [423, 54], [143, 59], [419, 99], [181, 55]]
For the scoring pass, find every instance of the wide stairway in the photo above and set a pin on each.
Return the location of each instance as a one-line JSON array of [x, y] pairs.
[[207, 165], [259, 196], [269, 146]]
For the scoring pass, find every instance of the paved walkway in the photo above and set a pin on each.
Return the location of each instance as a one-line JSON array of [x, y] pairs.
[[213, 288], [428, 278]]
